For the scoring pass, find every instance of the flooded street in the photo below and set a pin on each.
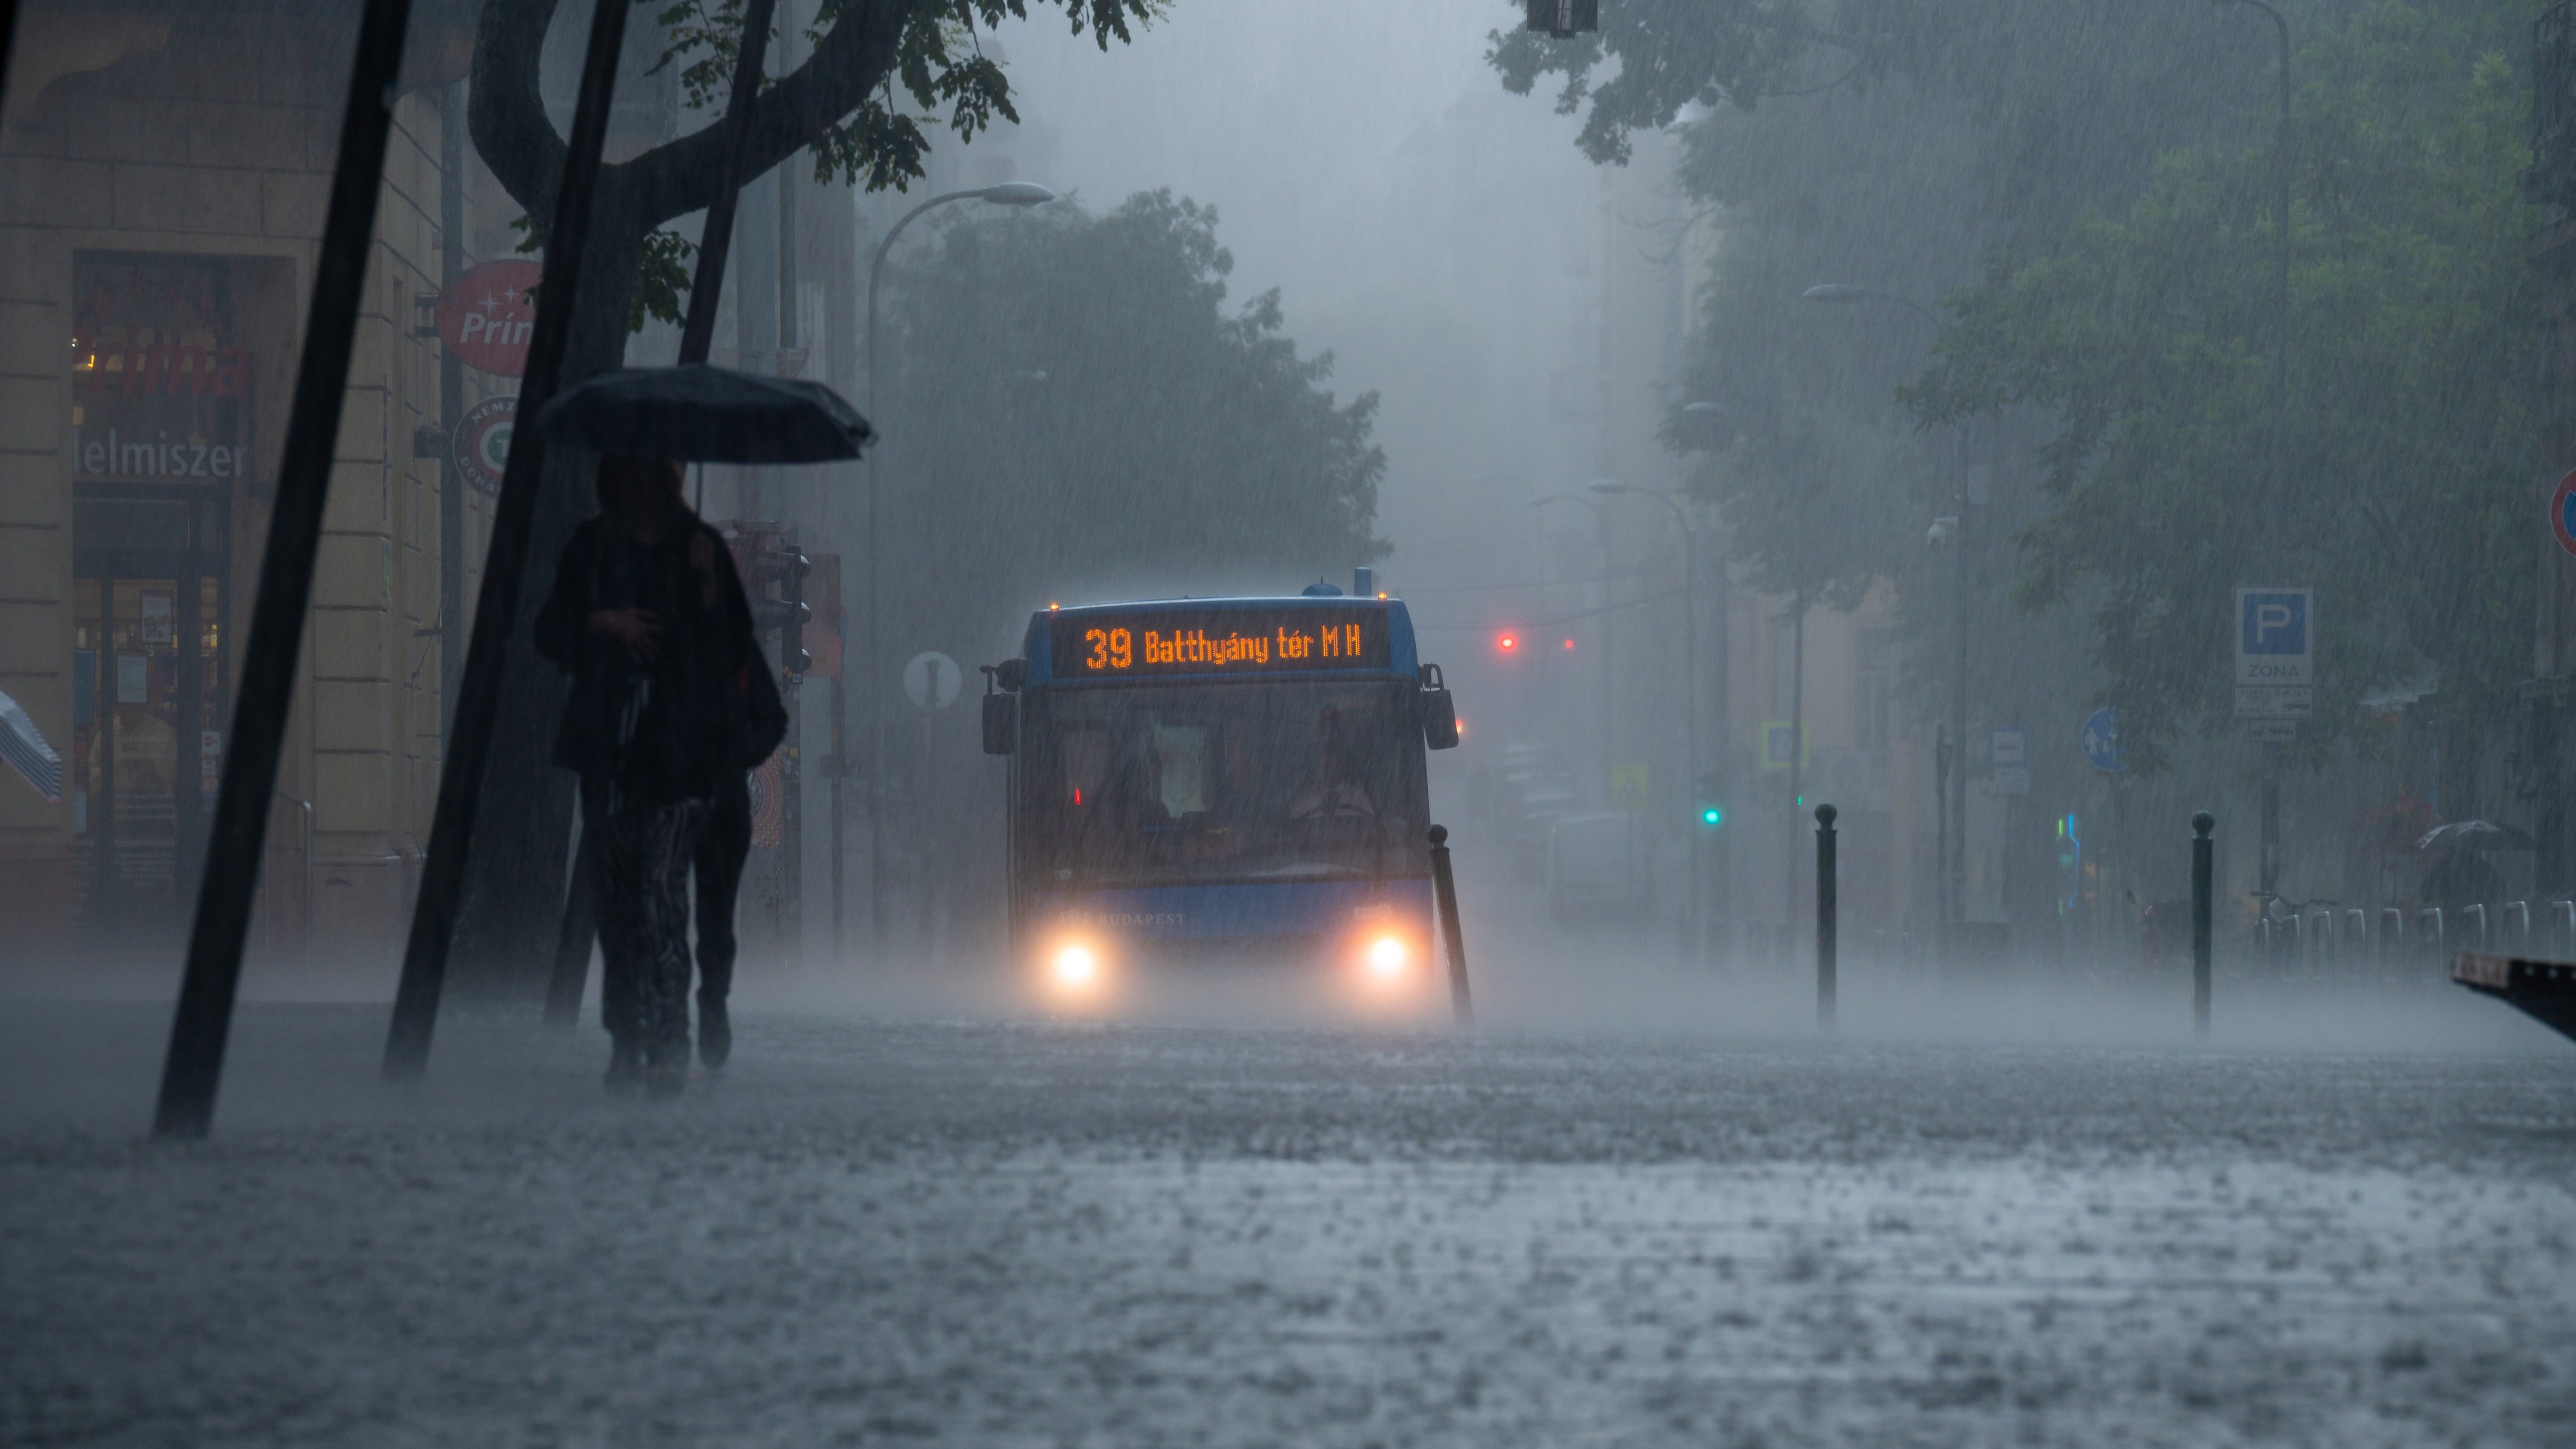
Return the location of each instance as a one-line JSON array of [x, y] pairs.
[[1048, 1234]]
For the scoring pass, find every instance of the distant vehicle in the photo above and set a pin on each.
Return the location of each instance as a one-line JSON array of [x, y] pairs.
[[1196, 778], [1536, 789], [1597, 867]]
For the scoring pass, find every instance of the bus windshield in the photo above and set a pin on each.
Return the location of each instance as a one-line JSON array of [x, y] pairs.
[[1149, 785]]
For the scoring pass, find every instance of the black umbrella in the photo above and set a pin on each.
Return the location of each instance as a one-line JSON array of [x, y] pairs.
[[700, 414], [2476, 835]]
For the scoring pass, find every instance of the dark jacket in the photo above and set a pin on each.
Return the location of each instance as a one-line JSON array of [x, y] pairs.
[[670, 729]]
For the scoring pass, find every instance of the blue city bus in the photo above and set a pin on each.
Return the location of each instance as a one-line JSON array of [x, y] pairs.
[[1196, 780]]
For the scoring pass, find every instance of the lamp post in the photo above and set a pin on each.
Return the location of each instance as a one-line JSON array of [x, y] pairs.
[[1009, 193], [1953, 532], [2270, 865], [1692, 939], [1601, 606]]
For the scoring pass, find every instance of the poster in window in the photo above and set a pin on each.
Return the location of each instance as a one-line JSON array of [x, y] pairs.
[[161, 369], [158, 616]]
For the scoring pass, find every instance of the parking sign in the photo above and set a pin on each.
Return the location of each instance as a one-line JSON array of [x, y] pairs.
[[1780, 745], [2008, 750], [2275, 652]]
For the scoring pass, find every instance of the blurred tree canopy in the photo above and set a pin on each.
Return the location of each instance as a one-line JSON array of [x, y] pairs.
[[1072, 410], [1886, 144], [874, 71], [2412, 417], [2080, 191]]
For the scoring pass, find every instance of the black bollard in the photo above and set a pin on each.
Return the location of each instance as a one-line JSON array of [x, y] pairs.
[[2200, 853], [1825, 915], [1445, 888]]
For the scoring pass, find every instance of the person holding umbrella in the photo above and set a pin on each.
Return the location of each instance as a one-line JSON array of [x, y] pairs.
[[649, 618]]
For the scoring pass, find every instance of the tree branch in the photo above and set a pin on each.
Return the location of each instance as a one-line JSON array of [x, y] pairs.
[[681, 176], [517, 140], [506, 111]]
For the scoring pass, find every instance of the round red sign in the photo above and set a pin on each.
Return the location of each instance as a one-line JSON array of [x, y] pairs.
[[482, 443], [487, 317]]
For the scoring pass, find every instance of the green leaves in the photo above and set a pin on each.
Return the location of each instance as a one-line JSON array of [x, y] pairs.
[[938, 67], [662, 277], [2410, 441], [1072, 407]]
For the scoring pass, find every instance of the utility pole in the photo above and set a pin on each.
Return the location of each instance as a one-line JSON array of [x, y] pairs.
[[1693, 941], [2279, 448], [1959, 724], [451, 413], [1601, 608], [1797, 753]]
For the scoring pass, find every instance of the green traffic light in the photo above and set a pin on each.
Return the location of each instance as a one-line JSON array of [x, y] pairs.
[[1711, 815]]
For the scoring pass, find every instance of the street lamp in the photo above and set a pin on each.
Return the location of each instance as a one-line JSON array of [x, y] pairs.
[[1601, 534], [1947, 532], [1691, 919], [1009, 193]]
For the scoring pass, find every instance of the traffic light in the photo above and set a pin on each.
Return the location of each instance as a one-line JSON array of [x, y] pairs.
[[1508, 642], [791, 638], [1712, 807], [777, 588], [1563, 19]]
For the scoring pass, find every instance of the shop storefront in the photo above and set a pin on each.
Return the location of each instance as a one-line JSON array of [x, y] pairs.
[[162, 178]]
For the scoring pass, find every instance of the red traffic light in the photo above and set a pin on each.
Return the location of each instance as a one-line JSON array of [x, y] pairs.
[[1508, 642], [1569, 644]]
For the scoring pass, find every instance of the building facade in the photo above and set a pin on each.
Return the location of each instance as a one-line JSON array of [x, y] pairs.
[[164, 171]]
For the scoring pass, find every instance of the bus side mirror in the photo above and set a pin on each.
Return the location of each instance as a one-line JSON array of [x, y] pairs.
[[1002, 711], [1001, 724], [1439, 712]]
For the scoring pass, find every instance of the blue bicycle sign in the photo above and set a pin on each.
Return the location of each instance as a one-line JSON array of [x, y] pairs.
[[2101, 741]]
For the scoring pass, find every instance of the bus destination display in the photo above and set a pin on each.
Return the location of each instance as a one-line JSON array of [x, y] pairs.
[[1217, 641]]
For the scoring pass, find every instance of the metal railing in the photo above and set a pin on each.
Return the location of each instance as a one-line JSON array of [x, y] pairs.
[[2399, 940]]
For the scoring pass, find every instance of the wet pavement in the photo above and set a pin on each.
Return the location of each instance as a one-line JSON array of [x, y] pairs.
[[1020, 1232]]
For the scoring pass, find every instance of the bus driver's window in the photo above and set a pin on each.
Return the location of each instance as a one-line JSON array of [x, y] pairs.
[[1334, 791], [1181, 757], [1133, 792], [1083, 755]]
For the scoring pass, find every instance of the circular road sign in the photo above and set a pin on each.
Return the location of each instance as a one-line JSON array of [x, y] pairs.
[[2562, 513], [931, 680], [2101, 742], [487, 319], [482, 442]]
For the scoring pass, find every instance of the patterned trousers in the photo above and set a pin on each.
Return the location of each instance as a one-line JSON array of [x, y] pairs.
[[643, 877]]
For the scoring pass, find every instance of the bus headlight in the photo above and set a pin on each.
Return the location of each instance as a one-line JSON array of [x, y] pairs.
[[1074, 967], [1387, 957]]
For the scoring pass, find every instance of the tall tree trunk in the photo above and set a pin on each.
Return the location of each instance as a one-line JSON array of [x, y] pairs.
[[516, 873]]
